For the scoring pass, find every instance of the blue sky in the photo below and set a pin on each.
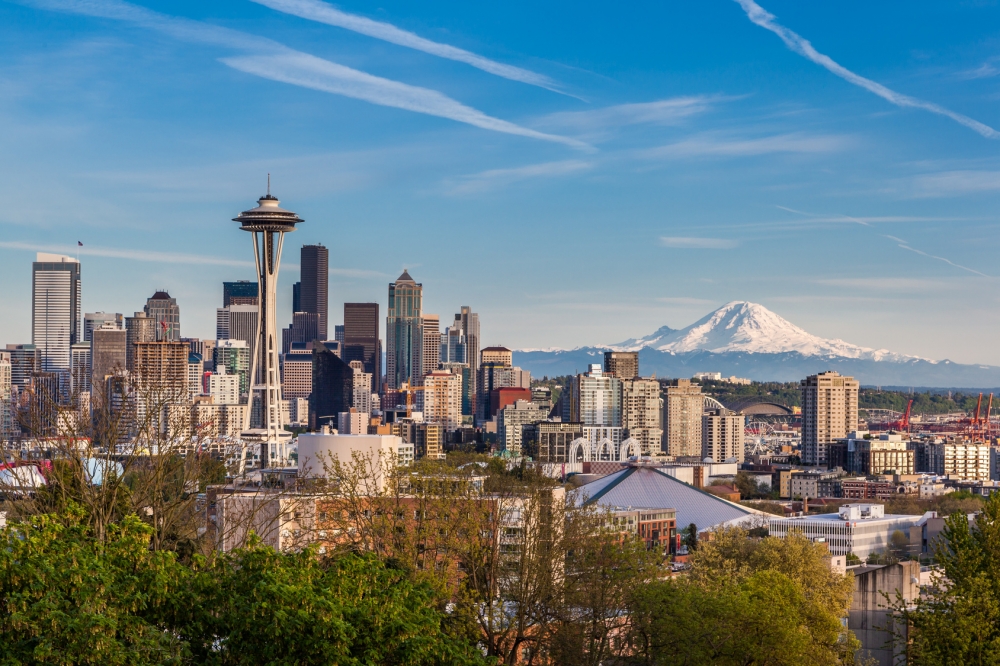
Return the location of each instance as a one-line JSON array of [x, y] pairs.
[[578, 173]]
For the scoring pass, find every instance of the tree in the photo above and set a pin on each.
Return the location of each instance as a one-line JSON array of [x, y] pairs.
[[957, 620], [691, 537]]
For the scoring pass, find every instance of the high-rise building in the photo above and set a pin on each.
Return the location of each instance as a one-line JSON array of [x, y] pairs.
[[304, 329], [241, 292], [139, 328], [296, 372], [443, 400], [314, 296], [453, 346], [80, 366], [642, 412], [94, 320], [333, 388], [163, 309], [109, 353], [498, 356], [722, 435], [468, 385], [829, 412], [55, 310], [234, 356], [431, 343], [362, 392], [623, 365], [683, 406], [361, 339], [338, 333], [468, 322], [23, 363], [196, 368], [163, 365], [6, 396], [511, 421], [238, 322], [297, 297], [404, 332], [224, 388], [550, 441], [596, 399]]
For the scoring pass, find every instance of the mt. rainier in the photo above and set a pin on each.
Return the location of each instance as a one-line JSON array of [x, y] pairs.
[[749, 327], [748, 340]]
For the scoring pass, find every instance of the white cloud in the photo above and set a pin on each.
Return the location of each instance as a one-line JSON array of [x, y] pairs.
[[954, 183], [302, 69], [485, 180], [796, 43], [277, 62], [717, 146], [124, 253], [661, 112], [322, 12], [691, 243]]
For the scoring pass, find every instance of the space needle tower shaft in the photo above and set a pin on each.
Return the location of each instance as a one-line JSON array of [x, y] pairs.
[[268, 223]]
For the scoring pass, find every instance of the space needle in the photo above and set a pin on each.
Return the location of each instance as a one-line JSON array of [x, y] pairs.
[[268, 223]]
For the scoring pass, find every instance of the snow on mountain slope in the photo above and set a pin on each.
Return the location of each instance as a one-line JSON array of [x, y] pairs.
[[749, 327]]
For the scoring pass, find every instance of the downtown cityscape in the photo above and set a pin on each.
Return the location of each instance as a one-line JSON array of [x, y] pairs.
[[420, 398]]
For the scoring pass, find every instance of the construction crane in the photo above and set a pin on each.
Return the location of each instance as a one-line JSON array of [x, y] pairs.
[[902, 424], [409, 391]]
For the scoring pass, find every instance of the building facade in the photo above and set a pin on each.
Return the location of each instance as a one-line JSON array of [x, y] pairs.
[[404, 332], [361, 339], [431, 343], [829, 412], [234, 356], [596, 399], [443, 400], [315, 281], [683, 405], [511, 422], [722, 433], [623, 365], [166, 314], [55, 310], [138, 328], [642, 412]]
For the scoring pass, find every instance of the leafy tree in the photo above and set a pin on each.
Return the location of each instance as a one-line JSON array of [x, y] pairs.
[[958, 620], [690, 537]]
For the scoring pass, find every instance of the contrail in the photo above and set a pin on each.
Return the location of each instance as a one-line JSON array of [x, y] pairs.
[[123, 253], [903, 244], [799, 45], [321, 12], [275, 61]]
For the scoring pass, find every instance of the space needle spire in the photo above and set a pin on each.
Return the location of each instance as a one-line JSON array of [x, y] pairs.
[[268, 223]]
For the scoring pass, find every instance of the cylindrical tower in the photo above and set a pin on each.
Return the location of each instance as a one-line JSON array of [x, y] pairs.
[[268, 223]]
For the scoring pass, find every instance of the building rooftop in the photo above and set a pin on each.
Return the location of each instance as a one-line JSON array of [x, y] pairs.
[[405, 277]]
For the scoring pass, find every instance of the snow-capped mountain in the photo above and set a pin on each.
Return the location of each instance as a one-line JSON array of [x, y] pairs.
[[750, 327], [748, 340]]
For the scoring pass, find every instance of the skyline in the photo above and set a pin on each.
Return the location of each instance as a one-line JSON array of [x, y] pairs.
[[562, 221]]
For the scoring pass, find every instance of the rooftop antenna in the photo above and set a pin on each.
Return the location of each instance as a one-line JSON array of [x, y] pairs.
[[268, 184]]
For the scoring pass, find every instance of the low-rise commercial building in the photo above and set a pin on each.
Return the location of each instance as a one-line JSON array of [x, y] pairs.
[[860, 529]]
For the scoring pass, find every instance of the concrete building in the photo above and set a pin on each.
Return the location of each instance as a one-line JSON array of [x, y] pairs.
[[429, 441], [319, 449], [511, 421], [352, 422], [296, 372], [860, 529], [196, 370], [362, 392], [24, 362], [500, 356], [442, 404], [642, 411], [6, 394], [95, 320], [163, 366], [722, 433], [496, 373], [80, 368], [138, 328], [623, 365], [596, 399], [807, 483], [234, 356], [870, 617], [864, 453], [683, 405], [550, 442], [239, 322], [404, 332], [224, 387], [959, 460], [829, 412], [431, 343], [361, 339], [109, 353], [55, 310], [163, 310]]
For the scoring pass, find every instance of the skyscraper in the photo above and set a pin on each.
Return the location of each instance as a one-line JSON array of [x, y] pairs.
[[453, 346], [315, 280], [332, 388], [55, 310], [23, 363], [163, 309], [139, 328], [623, 365], [241, 292], [829, 412], [234, 356], [683, 406], [431, 343], [304, 328], [722, 435], [642, 412], [108, 353], [80, 367], [94, 320], [468, 322], [404, 332], [361, 339]]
